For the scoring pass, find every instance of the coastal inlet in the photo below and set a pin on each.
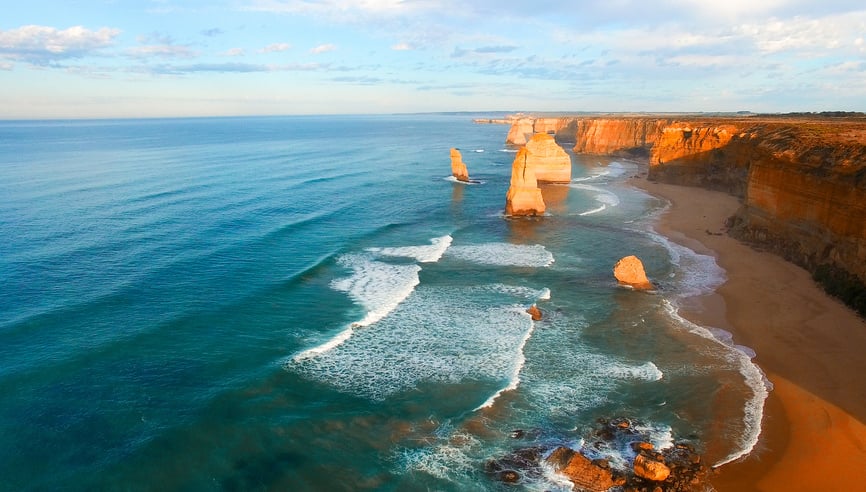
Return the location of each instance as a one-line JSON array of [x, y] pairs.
[[317, 303]]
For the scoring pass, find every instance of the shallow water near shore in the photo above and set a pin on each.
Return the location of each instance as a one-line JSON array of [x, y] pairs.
[[307, 303]]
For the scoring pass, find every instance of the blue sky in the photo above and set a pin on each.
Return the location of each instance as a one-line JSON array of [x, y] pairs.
[[145, 58]]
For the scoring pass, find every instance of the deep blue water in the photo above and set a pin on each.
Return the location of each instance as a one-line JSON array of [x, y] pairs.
[[308, 303]]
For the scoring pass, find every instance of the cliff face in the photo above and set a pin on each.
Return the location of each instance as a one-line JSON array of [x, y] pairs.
[[802, 180], [524, 195], [458, 167], [803, 185], [593, 135], [605, 136], [547, 159], [522, 129], [708, 154]]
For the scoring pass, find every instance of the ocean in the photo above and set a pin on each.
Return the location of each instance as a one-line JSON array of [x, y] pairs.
[[312, 303]]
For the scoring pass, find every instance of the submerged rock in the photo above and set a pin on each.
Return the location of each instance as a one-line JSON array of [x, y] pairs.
[[458, 167], [629, 271], [513, 467]]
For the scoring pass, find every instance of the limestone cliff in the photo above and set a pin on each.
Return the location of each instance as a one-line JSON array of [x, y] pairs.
[[805, 198], [802, 181], [524, 196], [458, 167], [593, 135], [607, 136], [802, 178], [708, 154], [547, 159], [522, 129]]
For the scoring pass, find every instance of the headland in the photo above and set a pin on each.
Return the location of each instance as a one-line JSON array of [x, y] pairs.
[[780, 201]]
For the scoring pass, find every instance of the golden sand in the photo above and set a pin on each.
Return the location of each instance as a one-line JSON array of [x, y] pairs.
[[811, 347]]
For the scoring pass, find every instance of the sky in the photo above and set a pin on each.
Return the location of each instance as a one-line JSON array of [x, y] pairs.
[[155, 58]]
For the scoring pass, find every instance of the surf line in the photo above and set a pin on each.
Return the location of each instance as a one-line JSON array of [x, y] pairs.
[[514, 381], [379, 286]]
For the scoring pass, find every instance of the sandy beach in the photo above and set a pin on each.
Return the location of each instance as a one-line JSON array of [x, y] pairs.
[[810, 346]]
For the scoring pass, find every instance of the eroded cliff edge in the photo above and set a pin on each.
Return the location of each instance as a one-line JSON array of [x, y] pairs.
[[802, 180]]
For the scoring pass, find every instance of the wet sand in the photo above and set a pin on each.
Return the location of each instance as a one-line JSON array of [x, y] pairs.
[[811, 347]]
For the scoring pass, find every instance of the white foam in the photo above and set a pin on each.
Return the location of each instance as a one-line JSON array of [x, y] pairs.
[[519, 362], [647, 372], [439, 334], [586, 178], [510, 151], [594, 210], [753, 377], [423, 254], [605, 197], [544, 295], [660, 436], [376, 286], [697, 274], [468, 183], [503, 254], [327, 346], [447, 460], [616, 169], [478, 150]]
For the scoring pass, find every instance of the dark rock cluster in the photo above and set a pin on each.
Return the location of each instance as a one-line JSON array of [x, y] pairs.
[[678, 468]]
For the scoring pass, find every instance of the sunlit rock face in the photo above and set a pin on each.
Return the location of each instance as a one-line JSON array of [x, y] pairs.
[[629, 271], [549, 161], [617, 136], [458, 167], [524, 195], [802, 178], [521, 130]]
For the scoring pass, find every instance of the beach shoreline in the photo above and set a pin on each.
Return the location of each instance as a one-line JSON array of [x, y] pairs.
[[808, 344]]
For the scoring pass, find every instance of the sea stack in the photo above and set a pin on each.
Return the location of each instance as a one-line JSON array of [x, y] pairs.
[[629, 271], [520, 128], [524, 195], [458, 167], [549, 161]]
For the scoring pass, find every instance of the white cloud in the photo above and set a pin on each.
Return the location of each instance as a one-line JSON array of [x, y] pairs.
[[807, 36], [161, 51], [44, 44], [402, 47], [275, 47], [335, 7], [323, 48], [233, 52]]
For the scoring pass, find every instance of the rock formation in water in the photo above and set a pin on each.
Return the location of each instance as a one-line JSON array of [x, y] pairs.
[[520, 131], [650, 469], [458, 167], [549, 161], [802, 178], [534, 312], [675, 468], [524, 195], [803, 185], [629, 271], [581, 471]]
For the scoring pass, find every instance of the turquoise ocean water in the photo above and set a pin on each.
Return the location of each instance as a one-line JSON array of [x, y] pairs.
[[310, 303]]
